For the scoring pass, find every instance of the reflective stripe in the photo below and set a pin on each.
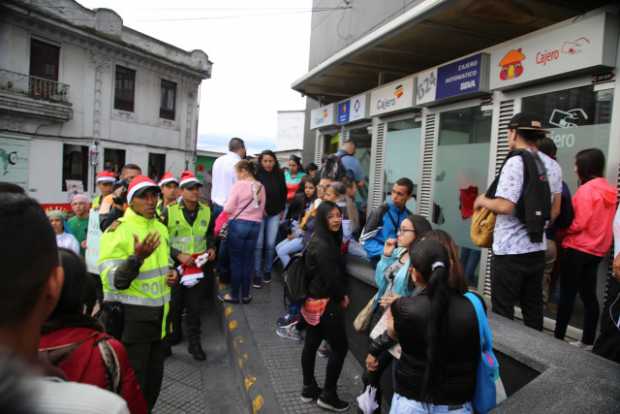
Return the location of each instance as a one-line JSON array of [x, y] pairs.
[[149, 274], [108, 263], [133, 300]]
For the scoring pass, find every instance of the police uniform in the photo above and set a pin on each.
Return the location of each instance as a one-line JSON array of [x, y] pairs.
[[142, 290], [191, 232]]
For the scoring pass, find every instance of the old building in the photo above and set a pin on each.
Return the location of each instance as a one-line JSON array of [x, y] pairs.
[[80, 92]]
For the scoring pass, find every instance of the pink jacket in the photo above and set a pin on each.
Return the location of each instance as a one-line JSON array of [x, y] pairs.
[[242, 194], [591, 230]]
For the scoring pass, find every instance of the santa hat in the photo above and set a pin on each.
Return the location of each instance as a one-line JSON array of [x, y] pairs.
[[105, 177], [139, 183], [167, 178], [188, 178]]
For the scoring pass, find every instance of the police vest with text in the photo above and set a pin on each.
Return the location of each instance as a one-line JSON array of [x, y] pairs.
[[186, 238]]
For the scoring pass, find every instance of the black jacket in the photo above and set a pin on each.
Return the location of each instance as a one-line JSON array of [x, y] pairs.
[[275, 191], [534, 206], [325, 269], [458, 357]]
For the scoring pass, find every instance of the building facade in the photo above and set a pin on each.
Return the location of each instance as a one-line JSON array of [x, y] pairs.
[[290, 134], [427, 93], [81, 92]]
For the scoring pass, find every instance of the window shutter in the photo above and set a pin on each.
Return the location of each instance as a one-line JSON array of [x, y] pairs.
[[610, 274], [425, 194], [318, 148], [377, 162], [506, 111]]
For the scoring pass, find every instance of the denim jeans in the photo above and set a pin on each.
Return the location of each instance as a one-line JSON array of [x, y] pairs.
[[266, 246], [402, 405], [470, 258], [287, 247], [241, 242]]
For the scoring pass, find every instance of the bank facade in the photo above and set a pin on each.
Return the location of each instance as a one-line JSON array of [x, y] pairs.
[[444, 126]]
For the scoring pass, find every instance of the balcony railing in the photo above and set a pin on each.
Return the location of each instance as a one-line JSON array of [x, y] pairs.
[[33, 87]]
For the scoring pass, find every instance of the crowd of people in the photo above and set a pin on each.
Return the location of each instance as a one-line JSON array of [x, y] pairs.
[[105, 297]]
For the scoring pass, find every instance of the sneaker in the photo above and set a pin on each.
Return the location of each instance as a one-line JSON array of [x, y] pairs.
[[267, 278], [287, 320], [581, 345], [310, 393], [324, 350], [257, 284], [331, 402], [289, 332]]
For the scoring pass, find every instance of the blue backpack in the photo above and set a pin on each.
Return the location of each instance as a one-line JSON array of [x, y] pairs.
[[489, 387]]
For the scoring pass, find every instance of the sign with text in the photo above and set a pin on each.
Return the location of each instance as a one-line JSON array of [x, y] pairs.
[[322, 117], [393, 97], [351, 110], [463, 77], [344, 111], [426, 86], [14, 161], [587, 43]]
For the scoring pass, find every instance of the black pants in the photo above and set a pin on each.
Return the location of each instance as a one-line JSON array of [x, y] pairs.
[[374, 378], [190, 299], [147, 360], [517, 279], [607, 344], [331, 328], [579, 272]]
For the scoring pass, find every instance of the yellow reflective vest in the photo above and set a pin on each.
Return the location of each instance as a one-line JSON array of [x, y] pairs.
[[117, 244], [183, 237]]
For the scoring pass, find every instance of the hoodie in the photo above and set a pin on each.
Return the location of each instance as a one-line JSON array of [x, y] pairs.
[[591, 230]]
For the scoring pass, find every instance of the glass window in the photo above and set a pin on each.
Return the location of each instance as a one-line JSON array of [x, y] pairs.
[[167, 106], [402, 156], [330, 143], [124, 88], [461, 168], [75, 165], [157, 166], [577, 118], [113, 160]]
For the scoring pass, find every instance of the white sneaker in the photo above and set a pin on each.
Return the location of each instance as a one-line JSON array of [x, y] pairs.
[[581, 345]]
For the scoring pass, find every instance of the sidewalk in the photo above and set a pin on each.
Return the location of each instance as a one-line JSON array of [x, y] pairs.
[[277, 360]]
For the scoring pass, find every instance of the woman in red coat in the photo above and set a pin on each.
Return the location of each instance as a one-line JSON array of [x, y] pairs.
[[75, 342]]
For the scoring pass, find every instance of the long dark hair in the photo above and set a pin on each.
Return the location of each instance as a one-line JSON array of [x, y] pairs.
[[306, 179], [590, 164], [321, 226], [431, 259], [297, 160], [457, 275], [276, 167]]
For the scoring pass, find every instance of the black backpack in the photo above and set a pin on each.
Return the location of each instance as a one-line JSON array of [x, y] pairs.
[[333, 168], [295, 280]]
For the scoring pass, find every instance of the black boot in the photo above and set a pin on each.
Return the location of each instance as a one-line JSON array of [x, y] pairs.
[[329, 401], [167, 349], [195, 349]]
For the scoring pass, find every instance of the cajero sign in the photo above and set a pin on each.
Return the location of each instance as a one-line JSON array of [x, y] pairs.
[[322, 117], [392, 97], [14, 156], [584, 44]]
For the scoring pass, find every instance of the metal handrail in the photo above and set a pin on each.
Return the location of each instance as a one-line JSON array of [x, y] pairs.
[[33, 86]]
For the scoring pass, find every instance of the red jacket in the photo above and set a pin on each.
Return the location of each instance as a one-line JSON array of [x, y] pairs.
[[591, 230], [83, 362]]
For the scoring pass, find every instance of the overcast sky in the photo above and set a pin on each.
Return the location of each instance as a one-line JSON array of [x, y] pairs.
[[258, 49]]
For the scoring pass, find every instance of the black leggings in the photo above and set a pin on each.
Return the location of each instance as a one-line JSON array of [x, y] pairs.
[[331, 328], [579, 273]]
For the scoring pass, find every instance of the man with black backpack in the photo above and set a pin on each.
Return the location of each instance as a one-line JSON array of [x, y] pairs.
[[522, 195], [343, 164]]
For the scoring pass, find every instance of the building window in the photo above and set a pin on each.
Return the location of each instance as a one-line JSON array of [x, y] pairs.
[[124, 89], [113, 160], [74, 166], [168, 105], [157, 166], [44, 60]]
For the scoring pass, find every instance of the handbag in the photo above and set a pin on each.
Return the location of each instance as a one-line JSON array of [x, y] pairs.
[[482, 227], [362, 320], [489, 391], [224, 229]]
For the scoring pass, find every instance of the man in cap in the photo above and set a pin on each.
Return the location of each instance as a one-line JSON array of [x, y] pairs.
[[136, 278], [105, 181], [191, 239], [528, 184], [78, 224], [169, 186]]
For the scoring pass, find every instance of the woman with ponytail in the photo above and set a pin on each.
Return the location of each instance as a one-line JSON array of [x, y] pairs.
[[433, 375]]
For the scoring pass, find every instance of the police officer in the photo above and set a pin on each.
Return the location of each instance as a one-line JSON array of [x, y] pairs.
[[135, 273], [191, 235], [169, 186], [105, 180]]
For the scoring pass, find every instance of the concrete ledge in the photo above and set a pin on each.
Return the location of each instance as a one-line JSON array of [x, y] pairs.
[[253, 376]]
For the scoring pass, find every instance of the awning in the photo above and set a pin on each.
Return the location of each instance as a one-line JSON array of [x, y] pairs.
[[429, 33]]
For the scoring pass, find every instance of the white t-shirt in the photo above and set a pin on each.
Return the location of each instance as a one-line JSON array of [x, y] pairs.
[[510, 234], [223, 177], [55, 396], [68, 241]]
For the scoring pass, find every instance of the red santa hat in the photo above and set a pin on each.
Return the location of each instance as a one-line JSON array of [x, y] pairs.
[[167, 178], [105, 177], [188, 178], [140, 183]]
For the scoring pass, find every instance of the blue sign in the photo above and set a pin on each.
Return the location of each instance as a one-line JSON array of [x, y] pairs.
[[460, 78], [344, 110]]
